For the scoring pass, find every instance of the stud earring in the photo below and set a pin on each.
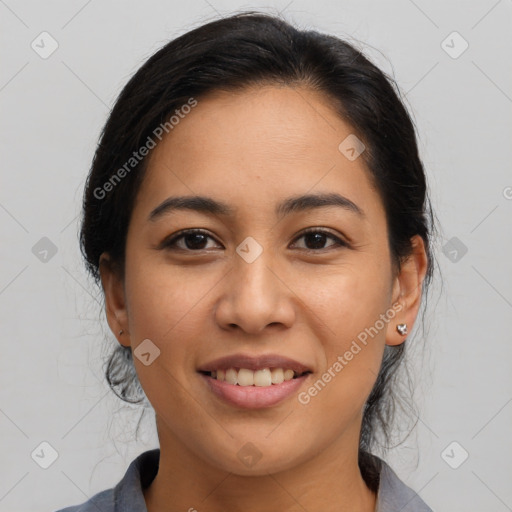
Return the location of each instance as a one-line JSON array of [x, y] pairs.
[[402, 329], [121, 332]]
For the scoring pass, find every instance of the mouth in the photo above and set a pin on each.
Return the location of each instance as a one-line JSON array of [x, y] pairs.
[[250, 382], [260, 378]]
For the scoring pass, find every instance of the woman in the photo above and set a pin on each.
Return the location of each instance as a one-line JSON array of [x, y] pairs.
[[258, 217]]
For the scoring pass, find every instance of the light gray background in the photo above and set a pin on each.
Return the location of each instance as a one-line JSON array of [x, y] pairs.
[[52, 110]]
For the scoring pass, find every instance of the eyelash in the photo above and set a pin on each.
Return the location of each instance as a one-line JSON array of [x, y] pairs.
[[171, 242]]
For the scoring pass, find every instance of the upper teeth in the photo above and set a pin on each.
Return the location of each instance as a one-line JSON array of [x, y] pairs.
[[246, 377]]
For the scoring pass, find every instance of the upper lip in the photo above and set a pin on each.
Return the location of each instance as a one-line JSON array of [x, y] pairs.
[[254, 362]]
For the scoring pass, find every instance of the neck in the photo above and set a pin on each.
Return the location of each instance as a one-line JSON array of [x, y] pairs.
[[330, 481]]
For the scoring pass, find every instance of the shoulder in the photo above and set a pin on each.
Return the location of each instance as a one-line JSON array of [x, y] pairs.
[[127, 494], [103, 501], [395, 495]]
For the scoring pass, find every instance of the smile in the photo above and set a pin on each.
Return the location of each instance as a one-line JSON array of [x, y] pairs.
[[261, 378], [250, 381]]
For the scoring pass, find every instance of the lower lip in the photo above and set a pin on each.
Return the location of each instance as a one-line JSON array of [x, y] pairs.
[[254, 397]]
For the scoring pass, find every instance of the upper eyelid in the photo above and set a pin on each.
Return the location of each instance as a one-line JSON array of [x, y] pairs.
[[341, 240], [180, 234], [325, 231]]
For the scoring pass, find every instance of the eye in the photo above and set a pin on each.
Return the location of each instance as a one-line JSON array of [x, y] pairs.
[[193, 240], [315, 239], [197, 240]]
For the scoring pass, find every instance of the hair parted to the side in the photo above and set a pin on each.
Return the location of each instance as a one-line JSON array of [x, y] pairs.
[[230, 54]]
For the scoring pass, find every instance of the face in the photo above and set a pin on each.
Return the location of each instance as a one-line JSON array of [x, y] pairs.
[[253, 287]]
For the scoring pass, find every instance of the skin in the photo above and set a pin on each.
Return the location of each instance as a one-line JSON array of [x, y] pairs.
[[252, 149]]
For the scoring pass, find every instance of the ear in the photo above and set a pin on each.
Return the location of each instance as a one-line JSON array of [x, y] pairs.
[[407, 288], [115, 302]]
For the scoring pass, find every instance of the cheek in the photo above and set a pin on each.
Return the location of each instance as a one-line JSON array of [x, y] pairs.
[[352, 358], [162, 298], [351, 303], [169, 306], [347, 299], [162, 306]]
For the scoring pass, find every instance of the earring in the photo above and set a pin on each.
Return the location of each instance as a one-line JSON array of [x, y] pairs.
[[121, 332], [402, 329]]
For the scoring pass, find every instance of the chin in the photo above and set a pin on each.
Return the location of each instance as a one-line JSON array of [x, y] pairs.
[[256, 458]]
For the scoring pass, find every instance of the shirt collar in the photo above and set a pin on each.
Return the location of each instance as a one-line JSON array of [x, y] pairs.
[[392, 495]]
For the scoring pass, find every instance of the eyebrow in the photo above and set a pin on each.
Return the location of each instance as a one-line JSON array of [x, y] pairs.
[[293, 204]]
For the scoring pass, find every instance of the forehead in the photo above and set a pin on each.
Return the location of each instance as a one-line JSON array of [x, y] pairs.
[[258, 145]]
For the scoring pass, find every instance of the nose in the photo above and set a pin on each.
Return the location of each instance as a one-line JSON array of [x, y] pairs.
[[254, 297]]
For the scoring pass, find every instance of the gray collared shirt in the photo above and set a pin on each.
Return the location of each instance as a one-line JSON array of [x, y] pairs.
[[127, 495]]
